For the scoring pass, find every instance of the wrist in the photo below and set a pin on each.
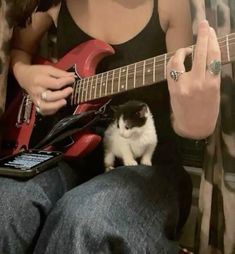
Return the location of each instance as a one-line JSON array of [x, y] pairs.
[[192, 130]]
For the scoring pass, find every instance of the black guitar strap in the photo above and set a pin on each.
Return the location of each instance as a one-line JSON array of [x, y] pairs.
[[71, 125]]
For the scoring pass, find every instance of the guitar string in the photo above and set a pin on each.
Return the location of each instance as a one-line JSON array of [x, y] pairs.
[[159, 63], [85, 85]]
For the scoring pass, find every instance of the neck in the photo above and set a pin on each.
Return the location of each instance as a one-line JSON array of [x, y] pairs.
[[143, 73]]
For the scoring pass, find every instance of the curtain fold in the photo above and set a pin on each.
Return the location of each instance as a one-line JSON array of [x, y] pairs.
[[216, 222], [5, 36]]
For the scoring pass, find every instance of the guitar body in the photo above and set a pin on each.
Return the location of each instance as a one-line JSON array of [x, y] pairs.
[[19, 124]]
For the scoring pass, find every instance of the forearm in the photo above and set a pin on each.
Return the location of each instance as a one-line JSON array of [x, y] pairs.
[[19, 60]]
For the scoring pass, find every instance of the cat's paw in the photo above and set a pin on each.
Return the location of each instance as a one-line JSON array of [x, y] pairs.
[[145, 161], [107, 169], [130, 162]]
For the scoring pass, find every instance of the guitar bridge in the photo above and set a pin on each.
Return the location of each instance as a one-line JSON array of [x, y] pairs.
[[25, 111]]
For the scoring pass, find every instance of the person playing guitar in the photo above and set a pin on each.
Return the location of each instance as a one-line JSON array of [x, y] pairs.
[[134, 209]]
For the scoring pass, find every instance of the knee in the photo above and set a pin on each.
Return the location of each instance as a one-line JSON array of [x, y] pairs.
[[111, 194], [19, 202]]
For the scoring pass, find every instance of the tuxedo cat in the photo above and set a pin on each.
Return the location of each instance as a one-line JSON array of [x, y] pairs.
[[130, 136]]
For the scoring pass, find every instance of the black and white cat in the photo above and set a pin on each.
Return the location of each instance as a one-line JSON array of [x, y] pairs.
[[132, 135]]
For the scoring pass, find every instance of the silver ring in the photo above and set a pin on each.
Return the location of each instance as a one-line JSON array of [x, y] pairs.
[[44, 95], [174, 74], [214, 67], [38, 109]]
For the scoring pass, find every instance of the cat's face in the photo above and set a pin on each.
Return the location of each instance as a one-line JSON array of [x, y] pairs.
[[127, 129], [130, 118]]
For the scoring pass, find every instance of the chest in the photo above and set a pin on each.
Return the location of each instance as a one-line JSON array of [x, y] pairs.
[[112, 21]]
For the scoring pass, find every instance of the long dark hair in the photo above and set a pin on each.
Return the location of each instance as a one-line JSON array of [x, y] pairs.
[[20, 11]]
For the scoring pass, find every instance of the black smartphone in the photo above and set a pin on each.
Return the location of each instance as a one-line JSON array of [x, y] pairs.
[[28, 163]]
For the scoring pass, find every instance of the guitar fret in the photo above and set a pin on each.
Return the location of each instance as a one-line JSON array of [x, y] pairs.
[[109, 83], [73, 98], [82, 90], [87, 88], [112, 81], [115, 81], [91, 87], [154, 69], [119, 80], [139, 74], [143, 72], [123, 79], [127, 70], [106, 84], [149, 71], [134, 75], [96, 84], [227, 47], [101, 82]]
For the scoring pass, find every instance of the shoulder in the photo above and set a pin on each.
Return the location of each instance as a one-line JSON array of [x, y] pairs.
[[173, 12]]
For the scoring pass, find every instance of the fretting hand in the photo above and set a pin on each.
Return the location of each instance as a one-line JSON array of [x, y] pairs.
[[195, 95]]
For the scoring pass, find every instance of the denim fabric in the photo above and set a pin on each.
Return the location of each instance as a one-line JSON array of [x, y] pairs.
[[128, 210], [24, 206]]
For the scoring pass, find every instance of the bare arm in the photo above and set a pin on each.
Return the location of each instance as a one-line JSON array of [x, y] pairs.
[[175, 20], [26, 40], [37, 79], [195, 96]]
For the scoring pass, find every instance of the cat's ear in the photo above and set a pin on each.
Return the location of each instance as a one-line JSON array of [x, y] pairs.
[[143, 110]]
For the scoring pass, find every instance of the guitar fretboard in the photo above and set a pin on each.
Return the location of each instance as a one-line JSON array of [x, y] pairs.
[[143, 73]]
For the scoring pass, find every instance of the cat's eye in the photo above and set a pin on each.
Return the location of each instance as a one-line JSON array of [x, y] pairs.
[[127, 127]]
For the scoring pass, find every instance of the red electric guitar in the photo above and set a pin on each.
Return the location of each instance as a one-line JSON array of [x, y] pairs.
[[23, 128]]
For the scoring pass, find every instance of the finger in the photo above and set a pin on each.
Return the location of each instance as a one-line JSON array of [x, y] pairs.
[[48, 108], [200, 54], [58, 73], [177, 61], [213, 50], [51, 96], [55, 83]]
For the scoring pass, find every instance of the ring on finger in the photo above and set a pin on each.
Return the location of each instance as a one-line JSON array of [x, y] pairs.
[[174, 74], [214, 67], [44, 95]]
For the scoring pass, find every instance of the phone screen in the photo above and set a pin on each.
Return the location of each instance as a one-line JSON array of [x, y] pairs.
[[31, 162]]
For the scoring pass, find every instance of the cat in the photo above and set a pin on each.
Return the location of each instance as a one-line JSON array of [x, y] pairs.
[[130, 136]]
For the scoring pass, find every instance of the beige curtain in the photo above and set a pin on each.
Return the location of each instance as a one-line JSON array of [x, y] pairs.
[[216, 222], [5, 36]]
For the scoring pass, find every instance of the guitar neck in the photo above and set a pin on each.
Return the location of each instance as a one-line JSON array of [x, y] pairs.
[[143, 73]]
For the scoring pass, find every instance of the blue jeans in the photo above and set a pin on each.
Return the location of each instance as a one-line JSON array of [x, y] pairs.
[[129, 210]]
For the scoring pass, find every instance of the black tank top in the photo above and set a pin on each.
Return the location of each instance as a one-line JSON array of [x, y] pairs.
[[148, 43]]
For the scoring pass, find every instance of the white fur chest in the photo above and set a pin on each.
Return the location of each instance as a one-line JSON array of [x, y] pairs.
[[140, 144]]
